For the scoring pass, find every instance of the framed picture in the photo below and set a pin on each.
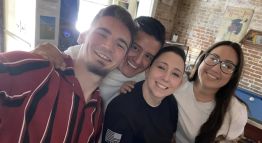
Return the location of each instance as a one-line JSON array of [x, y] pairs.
[[47, 27], [235, 23], [253, 36]]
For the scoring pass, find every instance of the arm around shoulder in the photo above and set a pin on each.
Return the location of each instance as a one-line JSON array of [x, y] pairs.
[[27, 68]]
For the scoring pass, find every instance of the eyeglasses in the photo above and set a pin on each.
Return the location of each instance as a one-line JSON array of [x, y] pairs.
[[225, 66]]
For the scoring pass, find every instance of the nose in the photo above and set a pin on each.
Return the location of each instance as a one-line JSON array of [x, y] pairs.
[[109, 44], [139, 58], [166, 76], [217, 67]]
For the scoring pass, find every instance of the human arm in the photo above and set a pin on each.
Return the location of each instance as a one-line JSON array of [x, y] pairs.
[[20, 69], [116, 126], [234, 122], [52, 53], [239, 117], [127, 86], [5, 77]]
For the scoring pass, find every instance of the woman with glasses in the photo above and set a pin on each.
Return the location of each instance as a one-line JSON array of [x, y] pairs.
[[208, 109]]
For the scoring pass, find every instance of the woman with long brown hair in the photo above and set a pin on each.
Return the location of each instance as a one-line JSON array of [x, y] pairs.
[[208, 107]]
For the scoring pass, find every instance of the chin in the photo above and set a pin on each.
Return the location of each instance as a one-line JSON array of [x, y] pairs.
[[128, 75], [161, 96]]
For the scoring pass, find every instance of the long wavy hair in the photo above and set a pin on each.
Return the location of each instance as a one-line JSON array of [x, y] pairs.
[[209, 129]]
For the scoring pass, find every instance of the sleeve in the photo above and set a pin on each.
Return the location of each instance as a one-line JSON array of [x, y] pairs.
[[68, 51], [175, 113], [5, 78], [116, 127], [239, 118], [17, 69], [9, 63], [73, 51]]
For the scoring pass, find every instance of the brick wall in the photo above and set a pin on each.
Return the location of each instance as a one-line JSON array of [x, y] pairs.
[[197, 21], [166, 14], [252, 74]]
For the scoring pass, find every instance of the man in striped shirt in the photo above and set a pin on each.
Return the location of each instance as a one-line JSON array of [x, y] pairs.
[[41, 104]]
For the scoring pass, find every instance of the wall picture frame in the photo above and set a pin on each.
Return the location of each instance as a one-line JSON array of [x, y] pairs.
[[234, 23], [253, 36]]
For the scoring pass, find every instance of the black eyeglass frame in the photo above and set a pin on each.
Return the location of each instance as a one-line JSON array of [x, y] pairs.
[[219, 62]]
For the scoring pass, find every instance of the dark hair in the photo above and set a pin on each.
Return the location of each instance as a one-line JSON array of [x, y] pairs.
[[122, 15], [151, 26], [209, 129], [177, 50]]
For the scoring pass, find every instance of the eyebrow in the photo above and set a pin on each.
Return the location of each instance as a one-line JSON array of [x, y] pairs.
[[228, 61], [214, 54], [136, 44], [223, 60], [109, 32], [176, 69]]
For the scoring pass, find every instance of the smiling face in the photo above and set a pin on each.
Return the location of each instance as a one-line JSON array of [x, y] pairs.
[[140, 55], [212, 77], [105, 45], [163, 77]]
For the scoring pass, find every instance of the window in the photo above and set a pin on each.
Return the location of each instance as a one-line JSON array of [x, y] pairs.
[[87, 11], [89, 8]]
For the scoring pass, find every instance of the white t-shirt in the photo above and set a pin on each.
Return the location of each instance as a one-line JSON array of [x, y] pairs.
[[73, 51], [192, 114], [112, 82]]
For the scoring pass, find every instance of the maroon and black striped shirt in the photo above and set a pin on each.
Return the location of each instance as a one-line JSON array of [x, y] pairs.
[[41, 104]]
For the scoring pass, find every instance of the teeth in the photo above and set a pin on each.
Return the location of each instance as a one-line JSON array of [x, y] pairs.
[[103, 56], [133, 66], [211, 76], [161, 86]]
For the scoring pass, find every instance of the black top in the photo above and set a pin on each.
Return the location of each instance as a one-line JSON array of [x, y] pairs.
[[129, 119]]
